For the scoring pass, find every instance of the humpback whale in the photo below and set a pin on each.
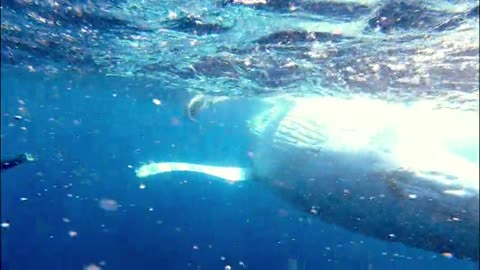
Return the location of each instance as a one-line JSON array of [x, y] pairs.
[[385, 170]]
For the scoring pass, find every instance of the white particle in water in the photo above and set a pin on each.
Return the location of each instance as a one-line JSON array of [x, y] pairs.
[[447, 255], [92, 267], [66, 220], [454, 219], [23, 199], [72, 234], [108, 205], [142, 186], [157, 101], [412, 196], [5, 224], [172, 15], [228, 267]]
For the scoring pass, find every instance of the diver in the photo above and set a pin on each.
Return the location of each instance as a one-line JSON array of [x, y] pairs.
[[13, 162]]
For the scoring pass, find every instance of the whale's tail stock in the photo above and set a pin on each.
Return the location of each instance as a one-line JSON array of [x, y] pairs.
[[230, 174]]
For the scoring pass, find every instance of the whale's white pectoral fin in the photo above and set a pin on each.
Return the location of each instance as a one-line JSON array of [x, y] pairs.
[[233, 174]]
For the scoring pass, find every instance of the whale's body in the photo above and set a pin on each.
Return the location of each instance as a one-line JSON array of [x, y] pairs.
[[382, 170]]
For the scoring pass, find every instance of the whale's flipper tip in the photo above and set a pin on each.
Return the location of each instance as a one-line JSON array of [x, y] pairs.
[[231, 174]]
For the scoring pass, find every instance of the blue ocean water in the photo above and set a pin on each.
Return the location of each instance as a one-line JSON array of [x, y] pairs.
[[83, 74], [87, 130]]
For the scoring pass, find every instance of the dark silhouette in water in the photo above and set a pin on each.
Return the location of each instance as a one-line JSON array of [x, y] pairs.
[[13, 162]]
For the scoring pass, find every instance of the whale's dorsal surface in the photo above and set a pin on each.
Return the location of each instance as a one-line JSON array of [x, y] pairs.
[[372, 167]]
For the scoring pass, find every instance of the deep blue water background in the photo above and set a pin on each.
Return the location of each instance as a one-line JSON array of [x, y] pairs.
[[87, 130]]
